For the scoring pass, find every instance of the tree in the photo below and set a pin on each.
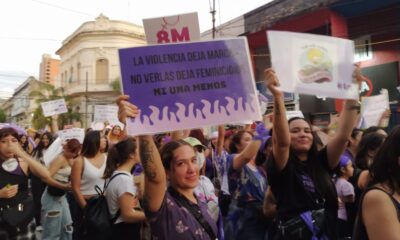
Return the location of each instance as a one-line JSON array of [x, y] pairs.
[[3, 116], [116, 85], [48, 93]]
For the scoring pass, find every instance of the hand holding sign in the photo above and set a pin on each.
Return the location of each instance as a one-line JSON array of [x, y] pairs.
[[272, 82], [126, 109], [54, 107]]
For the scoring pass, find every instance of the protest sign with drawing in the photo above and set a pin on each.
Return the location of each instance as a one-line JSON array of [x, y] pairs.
[[372, 109], [54, 107], [313, 64], [172, 29], [189, 85]]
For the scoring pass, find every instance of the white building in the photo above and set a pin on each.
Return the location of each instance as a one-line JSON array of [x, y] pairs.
[[90, 62], [20, 107]]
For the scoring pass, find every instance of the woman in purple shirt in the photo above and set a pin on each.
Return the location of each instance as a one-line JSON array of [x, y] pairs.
[[173, 212]]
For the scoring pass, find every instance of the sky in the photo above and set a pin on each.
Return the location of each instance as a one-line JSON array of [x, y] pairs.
[[30, 28]]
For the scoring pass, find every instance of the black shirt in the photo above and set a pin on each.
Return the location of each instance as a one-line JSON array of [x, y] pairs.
[[295, 190]]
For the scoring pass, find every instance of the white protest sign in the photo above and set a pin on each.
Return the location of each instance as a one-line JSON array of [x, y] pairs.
[[293, 114], [77, 133], [52, 152], [373, 107], [172, 29], [105, 113], [54, 107], [313, 64]]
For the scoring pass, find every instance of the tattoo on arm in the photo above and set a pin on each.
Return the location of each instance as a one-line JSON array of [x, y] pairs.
[[146, 155]]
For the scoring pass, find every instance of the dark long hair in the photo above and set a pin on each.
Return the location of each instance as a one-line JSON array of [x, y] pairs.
[[386, 165], [38, 151], [236, 140], [321, 178], [91, 144], [118, 155], [26, 143], [5, 132], [369, 142], [167, 152]]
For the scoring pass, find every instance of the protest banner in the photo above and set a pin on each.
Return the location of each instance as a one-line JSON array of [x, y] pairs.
[[189, 85], [372, 109], [54, 107], [172, 29], [77, 133], [313, 64]]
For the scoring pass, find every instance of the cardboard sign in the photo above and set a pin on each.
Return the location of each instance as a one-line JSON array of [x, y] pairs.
[[105, 113], [189, 85], [172, 29], [77, 133], [292, 114], [372, 109], [313, 64], [54, 107]]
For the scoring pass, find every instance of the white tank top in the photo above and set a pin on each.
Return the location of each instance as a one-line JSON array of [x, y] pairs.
[[62, 175], [91, 177]]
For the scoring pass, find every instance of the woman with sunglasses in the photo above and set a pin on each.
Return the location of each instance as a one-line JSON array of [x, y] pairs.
[[57, 221]]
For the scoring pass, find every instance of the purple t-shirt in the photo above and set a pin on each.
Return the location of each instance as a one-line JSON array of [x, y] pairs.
[[344, 189], [175, 222]]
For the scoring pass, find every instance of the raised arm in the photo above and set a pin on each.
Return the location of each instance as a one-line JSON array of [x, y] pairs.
[[280, 133], [155, 183], [246, 155], [28, 162], [220, 140], [54, 124], [346, 123]]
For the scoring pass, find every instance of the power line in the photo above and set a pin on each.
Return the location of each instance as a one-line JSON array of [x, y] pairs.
[[63, 8]]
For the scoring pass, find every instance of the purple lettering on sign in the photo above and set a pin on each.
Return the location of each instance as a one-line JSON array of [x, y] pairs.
[[188, 85]]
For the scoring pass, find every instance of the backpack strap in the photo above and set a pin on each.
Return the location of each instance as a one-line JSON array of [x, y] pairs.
[[184, 202]]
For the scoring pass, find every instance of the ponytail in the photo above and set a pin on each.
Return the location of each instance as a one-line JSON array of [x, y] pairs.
[[118, 155]]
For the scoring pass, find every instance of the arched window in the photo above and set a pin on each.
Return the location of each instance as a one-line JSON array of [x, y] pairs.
[[102, 71]]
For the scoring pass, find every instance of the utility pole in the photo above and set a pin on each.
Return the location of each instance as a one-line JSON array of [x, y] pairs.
[[86, 100], [213, 19]]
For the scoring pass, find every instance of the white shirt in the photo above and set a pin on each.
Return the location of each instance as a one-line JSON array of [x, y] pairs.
[[91, 177], [120, 185]]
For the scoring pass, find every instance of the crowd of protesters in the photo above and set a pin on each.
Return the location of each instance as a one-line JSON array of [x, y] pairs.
[[273, 179]]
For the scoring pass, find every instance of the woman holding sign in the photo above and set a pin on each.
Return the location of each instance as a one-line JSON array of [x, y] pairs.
[[16, 207], [299, 174], [173, 212]]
